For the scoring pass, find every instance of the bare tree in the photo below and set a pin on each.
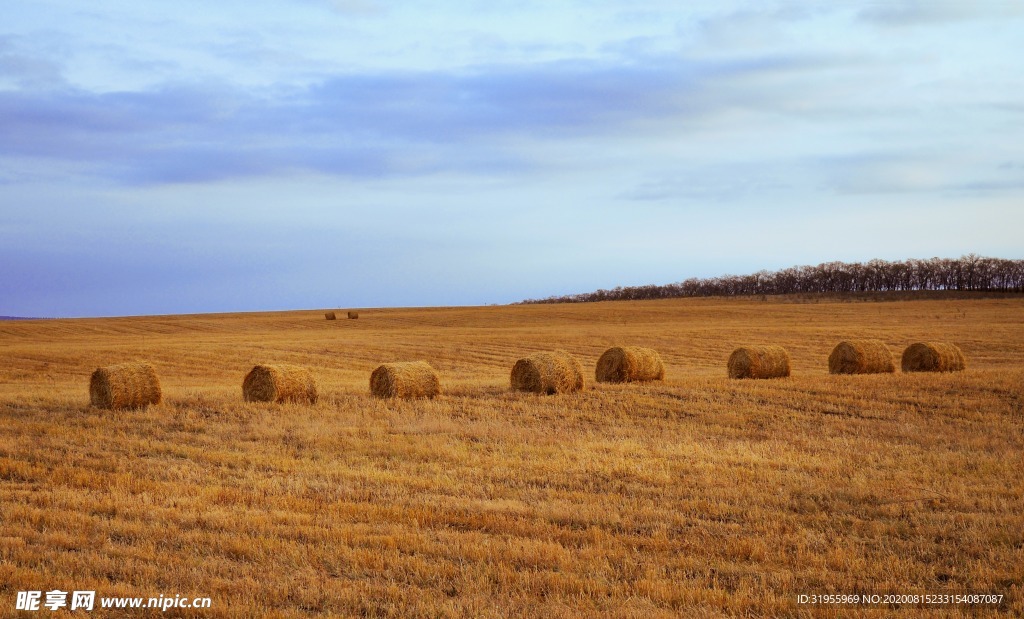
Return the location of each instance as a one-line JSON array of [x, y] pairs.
[[970, 272]]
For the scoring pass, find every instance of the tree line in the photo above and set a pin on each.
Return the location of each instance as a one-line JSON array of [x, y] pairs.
[[967, 273]]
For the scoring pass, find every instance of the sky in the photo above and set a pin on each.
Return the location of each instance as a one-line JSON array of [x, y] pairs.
[[186, 157]]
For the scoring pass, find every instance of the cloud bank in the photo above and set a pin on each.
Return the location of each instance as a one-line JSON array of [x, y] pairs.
[[380, 124]]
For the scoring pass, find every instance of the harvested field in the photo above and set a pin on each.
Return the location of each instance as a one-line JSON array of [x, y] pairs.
[[693, 496]]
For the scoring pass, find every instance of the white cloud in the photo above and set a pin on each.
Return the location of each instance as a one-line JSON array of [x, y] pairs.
[[926, 12]]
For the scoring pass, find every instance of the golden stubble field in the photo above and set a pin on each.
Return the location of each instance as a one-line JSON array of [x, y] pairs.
[[698, 496]]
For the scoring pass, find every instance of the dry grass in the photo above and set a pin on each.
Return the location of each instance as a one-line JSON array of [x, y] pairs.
[[127, 385], [861, 357], [696, 496], [759, 362], [933, 357], [405, 379]]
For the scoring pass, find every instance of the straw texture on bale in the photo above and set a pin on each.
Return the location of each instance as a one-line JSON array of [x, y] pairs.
[[548, 372], [279, 383], [128, 385], [353, 315], [933, 357], [759, 362], [405, 379], [861, 357], [330, 316], [623, 364]]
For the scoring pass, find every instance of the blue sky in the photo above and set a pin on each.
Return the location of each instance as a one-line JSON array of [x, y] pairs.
[[196, 157]]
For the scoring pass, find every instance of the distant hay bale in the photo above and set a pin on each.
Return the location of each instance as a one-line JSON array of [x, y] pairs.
[[759, 362], [330, 316], [279, 383], [933, 357], [128, 385], [548, 372], [623, 364], [353, 315], [405, 379], [861, 357]]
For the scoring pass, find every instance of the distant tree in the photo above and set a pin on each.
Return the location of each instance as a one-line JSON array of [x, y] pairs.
[[970, 272]]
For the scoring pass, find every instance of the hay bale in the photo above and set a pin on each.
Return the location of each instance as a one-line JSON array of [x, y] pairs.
[[624, 364], [405, 379], [548, 372], [861, 357], [279, 383], [330, 316], [353, 315], [128, 385], [933, 357], [759, 362]]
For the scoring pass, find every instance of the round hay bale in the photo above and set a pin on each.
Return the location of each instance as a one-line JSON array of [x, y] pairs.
[[624, 364], [861, 357], [127, 385], [548, 372], [353, 315], [330, 316], [933, 357], [279, 383], [759, 362], [405, 379]]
